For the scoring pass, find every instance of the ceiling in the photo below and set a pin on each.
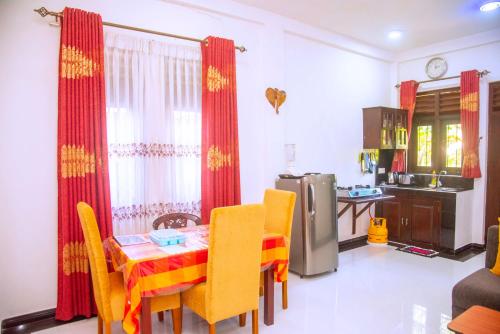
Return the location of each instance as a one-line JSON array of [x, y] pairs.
[[422, 22]]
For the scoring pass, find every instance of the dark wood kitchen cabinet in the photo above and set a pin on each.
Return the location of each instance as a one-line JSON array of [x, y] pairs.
[[392, 211], [412, 218], [423, 222], [385, 128]]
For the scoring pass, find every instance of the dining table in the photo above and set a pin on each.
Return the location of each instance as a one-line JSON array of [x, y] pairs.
[[151, 270]]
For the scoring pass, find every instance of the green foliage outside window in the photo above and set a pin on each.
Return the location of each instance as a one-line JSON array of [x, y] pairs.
[[424, 145], [453, 145]]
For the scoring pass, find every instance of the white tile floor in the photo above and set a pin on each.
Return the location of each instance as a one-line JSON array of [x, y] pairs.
[[376, 290]]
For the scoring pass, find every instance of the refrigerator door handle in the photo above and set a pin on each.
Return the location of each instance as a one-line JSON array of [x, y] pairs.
[[312, 201]]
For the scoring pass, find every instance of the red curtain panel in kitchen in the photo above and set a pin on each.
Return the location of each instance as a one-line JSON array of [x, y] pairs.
[[399, 161], [82, 156], [220, 176], [469, 119], [407, 99]]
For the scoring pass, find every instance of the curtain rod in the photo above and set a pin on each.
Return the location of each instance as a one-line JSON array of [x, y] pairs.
[[479, 74], [44, 12]]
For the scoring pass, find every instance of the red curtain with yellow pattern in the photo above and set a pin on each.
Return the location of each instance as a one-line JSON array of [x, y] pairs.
[[469, 119], [407, 100], [220, 163], [82, 156]]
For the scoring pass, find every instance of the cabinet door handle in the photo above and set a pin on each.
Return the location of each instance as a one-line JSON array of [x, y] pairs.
[[406, 222], [402, 221]]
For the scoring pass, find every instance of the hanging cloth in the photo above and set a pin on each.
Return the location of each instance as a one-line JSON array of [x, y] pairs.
[[82, 156], [220, 163], [407, 100], [469, 119]]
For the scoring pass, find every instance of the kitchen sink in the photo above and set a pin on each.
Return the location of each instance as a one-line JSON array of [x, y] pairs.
[[448, 189], [444, 189]]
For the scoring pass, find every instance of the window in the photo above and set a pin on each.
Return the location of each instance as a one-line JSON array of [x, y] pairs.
[[153, 106], [436, 140]]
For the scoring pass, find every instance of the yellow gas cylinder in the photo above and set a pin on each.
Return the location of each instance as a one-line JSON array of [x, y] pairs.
[[377, 232]]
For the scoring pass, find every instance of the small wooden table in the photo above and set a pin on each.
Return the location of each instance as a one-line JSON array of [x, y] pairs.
[[352, 202], [476, 320]]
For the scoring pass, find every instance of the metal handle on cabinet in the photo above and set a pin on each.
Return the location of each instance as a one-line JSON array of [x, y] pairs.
[[402, 221], [406, 222]]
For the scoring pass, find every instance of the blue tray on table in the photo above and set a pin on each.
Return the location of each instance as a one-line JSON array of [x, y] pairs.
[[167, 237]]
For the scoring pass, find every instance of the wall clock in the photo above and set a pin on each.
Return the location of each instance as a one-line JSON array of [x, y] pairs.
[[436, 68]]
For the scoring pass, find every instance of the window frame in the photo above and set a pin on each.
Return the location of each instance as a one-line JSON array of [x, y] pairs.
[[438, 121], [413, 158]]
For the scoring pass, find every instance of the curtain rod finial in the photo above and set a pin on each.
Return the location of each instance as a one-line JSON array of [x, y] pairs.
[[483, 73], [42, 11]]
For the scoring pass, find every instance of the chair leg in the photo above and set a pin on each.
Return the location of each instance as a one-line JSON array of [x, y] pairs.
[[99, 324], [243, 319], [182, 314], [160, 316], [284, 294], [176, 320], [211, 328], [107, 328], [255, 321]]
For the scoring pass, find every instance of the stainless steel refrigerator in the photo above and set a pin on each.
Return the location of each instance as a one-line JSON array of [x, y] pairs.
[[314, 246]]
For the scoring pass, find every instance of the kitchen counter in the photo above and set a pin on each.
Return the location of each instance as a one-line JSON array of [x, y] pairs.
[[361, 200], [427, 217], [425, 189]]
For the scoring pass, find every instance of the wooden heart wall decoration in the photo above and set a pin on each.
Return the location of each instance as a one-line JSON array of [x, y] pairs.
[[276, 97]]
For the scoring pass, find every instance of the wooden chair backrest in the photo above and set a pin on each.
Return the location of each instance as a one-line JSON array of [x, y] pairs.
[[176, 220]]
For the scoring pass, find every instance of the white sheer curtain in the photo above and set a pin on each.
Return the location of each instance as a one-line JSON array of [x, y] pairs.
[[153, 100]]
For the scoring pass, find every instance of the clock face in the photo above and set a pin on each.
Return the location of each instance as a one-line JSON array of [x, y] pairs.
[[436, 68]]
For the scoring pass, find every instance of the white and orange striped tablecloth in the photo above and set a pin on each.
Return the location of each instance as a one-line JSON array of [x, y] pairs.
[[150, 270]]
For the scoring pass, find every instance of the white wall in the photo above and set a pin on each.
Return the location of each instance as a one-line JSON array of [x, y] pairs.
[[327, 87], [328, 79], [481, 51]]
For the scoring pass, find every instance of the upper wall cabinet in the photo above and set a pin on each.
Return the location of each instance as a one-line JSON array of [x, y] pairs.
[[385, 128]]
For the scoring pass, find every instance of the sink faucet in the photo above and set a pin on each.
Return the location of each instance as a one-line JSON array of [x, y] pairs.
[[438, 184]]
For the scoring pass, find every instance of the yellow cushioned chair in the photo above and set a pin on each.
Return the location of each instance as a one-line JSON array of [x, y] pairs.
[[233, 267], [496, 268], [109, 293], [279, 217]]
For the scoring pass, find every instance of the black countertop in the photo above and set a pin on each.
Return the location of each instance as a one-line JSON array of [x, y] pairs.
[[425, 189]]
